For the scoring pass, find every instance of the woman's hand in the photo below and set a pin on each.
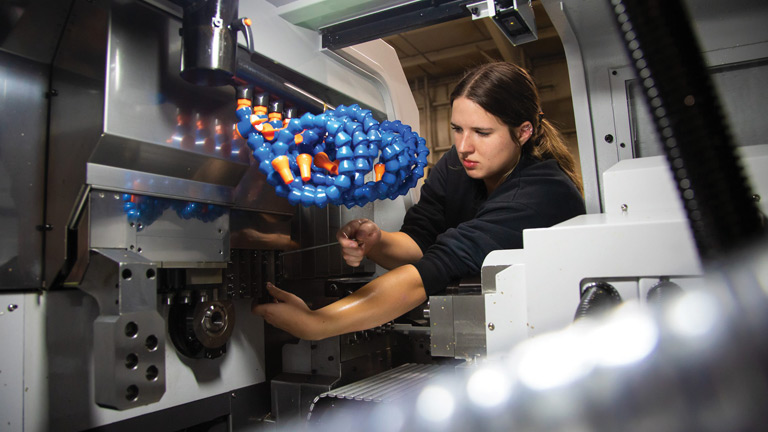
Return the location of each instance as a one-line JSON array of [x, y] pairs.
[[357, 238], [289, 313]]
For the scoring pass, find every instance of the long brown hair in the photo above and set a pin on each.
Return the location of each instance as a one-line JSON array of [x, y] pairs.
[[508, 92]]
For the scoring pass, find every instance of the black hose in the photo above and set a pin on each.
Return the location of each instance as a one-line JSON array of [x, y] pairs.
[[663, 293], [689, 120], [597, 298]]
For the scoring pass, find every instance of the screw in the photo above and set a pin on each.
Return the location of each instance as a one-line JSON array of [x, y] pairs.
[[756, 198], [608, 138], [491, 327], [12, 307], [624, 208]]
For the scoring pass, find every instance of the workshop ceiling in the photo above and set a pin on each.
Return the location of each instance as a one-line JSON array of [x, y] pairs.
[[448, 49]]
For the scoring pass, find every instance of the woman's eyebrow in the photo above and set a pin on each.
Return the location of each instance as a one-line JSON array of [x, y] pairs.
[[483, 129], [475, 128]]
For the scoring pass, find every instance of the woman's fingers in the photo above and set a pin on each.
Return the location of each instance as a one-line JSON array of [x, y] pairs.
[[288, 313], [354, 256], [347, 232], [284, 296], [356, 238], [368, 233]]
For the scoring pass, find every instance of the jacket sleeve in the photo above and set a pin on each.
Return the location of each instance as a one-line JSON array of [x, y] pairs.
[[460, 251]]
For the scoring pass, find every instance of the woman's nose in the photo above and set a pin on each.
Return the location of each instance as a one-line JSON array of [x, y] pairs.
[[463, 144]]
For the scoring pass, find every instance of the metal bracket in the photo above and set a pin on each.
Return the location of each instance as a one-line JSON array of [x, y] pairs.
[[129, 333], [482, 9]]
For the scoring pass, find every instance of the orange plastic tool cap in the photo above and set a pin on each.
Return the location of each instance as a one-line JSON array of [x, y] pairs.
[[322, 161], [305, 166], [283, 167], [379, 169], [268, 131]]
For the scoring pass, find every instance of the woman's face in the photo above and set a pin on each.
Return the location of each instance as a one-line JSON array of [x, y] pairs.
[[484, 143]]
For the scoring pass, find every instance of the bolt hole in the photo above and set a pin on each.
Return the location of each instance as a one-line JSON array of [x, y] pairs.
[[151, 343], [151, 274], [614, 73], [152, 373], [622, 145], [218, 319], [127, 273], [330, 358], [131, 329], [131, 361], [132, 393], [138, 250]]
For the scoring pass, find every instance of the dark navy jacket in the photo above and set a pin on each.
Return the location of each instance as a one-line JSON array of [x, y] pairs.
[[456, 224]]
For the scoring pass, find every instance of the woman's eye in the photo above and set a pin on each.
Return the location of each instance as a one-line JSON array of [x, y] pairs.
[[456, 129], [483, 133]]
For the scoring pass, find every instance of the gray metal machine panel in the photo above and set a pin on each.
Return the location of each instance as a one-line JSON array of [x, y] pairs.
[[11, 362], [23, 84], [41, 21], [469, 326], [441, 319]]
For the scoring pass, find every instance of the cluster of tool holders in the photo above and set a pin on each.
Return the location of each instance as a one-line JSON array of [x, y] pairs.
[[313, 160], [323, 159]]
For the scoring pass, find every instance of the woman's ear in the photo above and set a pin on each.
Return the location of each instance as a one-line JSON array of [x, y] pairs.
[[524, 132]]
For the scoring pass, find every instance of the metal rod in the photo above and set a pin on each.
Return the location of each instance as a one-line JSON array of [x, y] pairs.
[[308, 248]]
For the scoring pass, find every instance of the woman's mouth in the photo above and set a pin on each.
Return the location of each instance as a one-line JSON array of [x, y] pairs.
[[469, 163]]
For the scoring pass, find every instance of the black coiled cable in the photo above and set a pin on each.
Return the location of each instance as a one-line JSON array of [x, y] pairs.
[[689, 120]]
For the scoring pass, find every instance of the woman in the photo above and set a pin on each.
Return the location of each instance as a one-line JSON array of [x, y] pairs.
[[508, 171]]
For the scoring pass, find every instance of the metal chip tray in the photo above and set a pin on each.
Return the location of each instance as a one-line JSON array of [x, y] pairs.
[[385, 387]]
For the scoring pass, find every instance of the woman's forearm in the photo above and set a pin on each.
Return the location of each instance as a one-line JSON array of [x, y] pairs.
[[382, 300], [395, 249]]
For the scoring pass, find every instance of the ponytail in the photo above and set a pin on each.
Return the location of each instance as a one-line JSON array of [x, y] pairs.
[[548, 143]]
